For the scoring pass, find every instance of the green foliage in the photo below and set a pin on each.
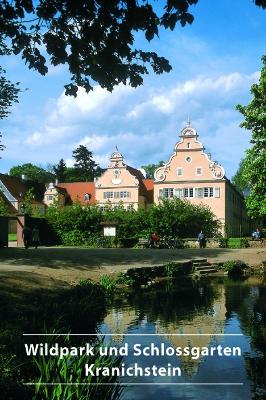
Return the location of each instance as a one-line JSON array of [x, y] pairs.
[[255, 162], [84, 167], [12, 237], [28, 199], [173, 270], [150, 169], [181, 218], [240, 179], [123, 279], [234, 267], [60, 171], [70, 369], [79, 225], [107, 282], [3, 207], [101, 49], [8, 92], [32, 172], [237, 243]]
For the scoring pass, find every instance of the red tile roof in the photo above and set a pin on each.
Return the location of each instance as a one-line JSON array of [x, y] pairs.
[[77, 191], [149, 186]]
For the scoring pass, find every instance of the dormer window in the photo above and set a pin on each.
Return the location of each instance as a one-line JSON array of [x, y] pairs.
[[87, 197]]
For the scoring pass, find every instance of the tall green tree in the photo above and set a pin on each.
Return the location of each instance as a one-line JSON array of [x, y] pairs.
[[240, 179], [8, 95], [85, 167], [32, 172], [255, 163], [60, 170], [95, 39]]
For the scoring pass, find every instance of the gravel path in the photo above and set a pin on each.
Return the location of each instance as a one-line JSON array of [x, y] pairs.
[[57, 266]]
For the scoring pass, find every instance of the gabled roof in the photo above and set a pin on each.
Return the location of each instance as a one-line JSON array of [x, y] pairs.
[[77, 191], [14, 185]]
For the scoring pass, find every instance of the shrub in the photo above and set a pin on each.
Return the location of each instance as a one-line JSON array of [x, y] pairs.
[[78, 225], [70, 369], [234, 267], [107, 282]]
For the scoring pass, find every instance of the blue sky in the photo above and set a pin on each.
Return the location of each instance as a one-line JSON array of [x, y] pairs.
[[215, 60]]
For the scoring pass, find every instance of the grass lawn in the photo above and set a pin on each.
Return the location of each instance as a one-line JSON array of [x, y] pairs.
[[12, 237]]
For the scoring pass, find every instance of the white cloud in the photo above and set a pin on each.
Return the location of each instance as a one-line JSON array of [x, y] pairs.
[[201, 87], [145, 123]]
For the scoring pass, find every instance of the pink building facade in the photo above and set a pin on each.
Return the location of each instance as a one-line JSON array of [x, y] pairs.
[[191, 174], [122, 186]]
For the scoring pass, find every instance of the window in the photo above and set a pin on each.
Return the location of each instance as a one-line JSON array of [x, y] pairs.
[[198, 171], [188, 145], [108, 195], [188, 159], [124, 195], [50, 197], [179, 193], [188, 192], [179, 171], [208, 192], [166, 193], [199, 192]]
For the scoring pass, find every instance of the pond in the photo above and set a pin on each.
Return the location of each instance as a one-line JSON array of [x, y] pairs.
[[207, 313]]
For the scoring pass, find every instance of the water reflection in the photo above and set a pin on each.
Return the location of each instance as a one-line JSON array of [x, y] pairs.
[[202, 311]]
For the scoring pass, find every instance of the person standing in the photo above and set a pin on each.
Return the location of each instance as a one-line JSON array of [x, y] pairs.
[[35, 236], [26, 236], [202, 240]]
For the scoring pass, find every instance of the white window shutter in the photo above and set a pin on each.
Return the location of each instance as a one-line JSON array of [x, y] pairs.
[[216, 192]]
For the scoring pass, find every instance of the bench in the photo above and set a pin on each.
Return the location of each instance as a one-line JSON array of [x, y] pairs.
[[144, 243]]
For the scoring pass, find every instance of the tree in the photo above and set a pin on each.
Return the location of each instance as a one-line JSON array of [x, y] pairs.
[[85, 167], [240, 178], [32, 172], [255, 170], [8, 95], [94, 38], [60, 170], [150, 169]]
